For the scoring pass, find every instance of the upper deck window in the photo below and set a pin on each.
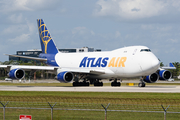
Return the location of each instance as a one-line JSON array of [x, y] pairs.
[[145, 50]]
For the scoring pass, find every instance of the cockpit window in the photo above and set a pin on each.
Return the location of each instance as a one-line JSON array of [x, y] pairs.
[[145, 50]]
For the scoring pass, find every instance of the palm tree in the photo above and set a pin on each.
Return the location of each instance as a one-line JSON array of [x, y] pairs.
[[161, 64]]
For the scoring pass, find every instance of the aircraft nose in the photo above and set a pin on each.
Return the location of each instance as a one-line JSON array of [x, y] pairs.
[[155, 63], [149, 63]]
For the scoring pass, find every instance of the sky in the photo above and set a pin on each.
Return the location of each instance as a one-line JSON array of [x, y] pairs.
[[101, 24]]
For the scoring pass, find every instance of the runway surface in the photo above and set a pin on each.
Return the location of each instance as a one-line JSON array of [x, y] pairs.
[[154, 89]]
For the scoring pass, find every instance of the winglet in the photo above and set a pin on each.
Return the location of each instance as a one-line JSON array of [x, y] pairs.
[[47, 44]]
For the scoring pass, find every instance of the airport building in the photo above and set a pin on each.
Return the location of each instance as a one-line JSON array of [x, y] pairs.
[[36, 52]]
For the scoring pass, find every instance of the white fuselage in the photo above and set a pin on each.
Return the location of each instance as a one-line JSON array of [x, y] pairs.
[[125, 62]]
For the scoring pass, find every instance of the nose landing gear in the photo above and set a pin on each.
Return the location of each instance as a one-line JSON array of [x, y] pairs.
[[142, 83]]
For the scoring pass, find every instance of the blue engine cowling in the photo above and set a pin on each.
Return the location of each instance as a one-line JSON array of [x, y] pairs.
[[151, 78], [16, 74], [65, 77], [164, 74]]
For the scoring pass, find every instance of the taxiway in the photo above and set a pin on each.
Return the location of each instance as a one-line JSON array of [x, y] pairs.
[[153, 89]]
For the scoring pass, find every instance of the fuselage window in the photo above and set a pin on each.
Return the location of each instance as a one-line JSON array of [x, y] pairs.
[[145, 50], [125, 51]]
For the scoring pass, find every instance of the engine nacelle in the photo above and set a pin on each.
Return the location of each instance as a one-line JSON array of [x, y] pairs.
[[152, 78], [164, 74], [16, 74], [65, 77]]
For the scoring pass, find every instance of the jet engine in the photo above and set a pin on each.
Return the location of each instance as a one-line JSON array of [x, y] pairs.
[[151, 78], [16, 74], [65, 77], [164, 74]]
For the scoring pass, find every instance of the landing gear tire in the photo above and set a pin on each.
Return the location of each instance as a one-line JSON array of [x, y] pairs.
[[86, 84], [98, 84], [141, 84], [75, 84], [115, 84]]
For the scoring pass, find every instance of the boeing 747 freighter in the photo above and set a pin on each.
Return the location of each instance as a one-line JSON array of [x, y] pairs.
[[93, 67]]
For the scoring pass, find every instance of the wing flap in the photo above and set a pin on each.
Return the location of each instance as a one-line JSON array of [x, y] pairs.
[[84, 70]]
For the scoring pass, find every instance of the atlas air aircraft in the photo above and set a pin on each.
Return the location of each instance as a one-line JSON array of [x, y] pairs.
[[92, 67]]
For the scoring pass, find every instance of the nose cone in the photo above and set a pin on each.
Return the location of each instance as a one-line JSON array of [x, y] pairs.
[[149, 63], [155, 63]]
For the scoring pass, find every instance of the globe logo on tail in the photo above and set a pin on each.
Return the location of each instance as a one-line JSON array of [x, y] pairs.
[[44, 35]]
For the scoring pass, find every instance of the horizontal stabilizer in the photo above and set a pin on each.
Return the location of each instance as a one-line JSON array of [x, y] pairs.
[[170, 67], [32, 58]]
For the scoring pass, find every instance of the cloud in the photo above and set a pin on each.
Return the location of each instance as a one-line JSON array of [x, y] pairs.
[[19, 28], [19, 33], [15, 18], [117, 34], [135, 9], [7, 6], [156, 28], [14, 29], [147, 27], [173, 41], [21, 38], [82, 31]]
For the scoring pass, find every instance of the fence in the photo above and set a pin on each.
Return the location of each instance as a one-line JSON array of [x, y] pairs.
[[56, 108]]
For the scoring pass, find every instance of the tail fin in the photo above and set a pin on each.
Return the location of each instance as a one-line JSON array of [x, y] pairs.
[[171, 65], [47, 44]]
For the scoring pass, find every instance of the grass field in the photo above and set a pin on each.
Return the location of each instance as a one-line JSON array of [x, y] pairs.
[[88, 100]]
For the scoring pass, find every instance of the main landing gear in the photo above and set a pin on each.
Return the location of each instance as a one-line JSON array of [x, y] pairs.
[[97, 83], [80, 83], [115, 83], [76, 82]]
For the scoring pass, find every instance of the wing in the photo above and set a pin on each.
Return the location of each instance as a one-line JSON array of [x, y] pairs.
[[27, 67], [18, 71]]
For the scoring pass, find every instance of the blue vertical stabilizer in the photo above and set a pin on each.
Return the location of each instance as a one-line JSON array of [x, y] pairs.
[[47, 44]]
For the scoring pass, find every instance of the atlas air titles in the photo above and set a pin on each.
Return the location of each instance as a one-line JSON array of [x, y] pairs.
[[103, 62]]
